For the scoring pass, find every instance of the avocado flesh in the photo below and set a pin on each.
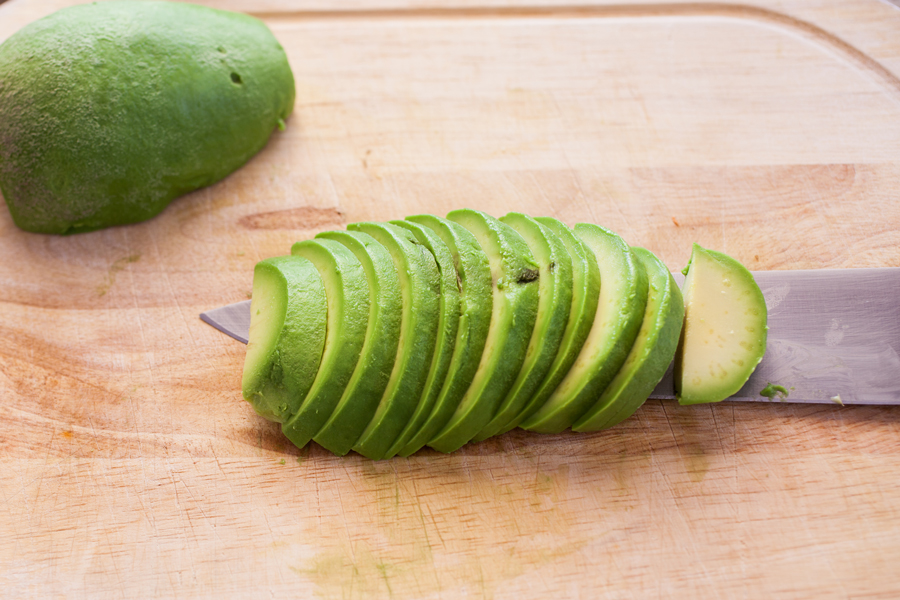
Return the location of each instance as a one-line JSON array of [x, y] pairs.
[[113, 109], [515, 301], [288, 315], [651, 354], [585, 295], [554, 304], [620, 310], [347, 295], [476, 302], [447, 327], [420, 290], [357, 405], [725, 328]]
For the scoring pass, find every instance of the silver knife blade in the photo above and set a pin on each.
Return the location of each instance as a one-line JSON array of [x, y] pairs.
[[834, 337], [233, 320]]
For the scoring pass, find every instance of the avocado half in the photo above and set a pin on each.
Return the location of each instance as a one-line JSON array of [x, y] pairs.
[[441, 331], [110, 110]]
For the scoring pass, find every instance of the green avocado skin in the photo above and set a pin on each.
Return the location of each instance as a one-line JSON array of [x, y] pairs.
[[109, 111]]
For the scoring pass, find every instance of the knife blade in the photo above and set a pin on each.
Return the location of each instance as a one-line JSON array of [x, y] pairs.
[[834, 337]]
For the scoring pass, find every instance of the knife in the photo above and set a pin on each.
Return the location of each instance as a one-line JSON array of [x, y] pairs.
[[834, 337]]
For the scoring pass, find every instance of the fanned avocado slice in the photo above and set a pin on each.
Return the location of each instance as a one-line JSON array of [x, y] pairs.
[[651, 354], [347, 295], [725, 328], [620, 310], [376, 361], [287, 334], [420, 291], [448, 324], [585, 295], [473, 278], [554, 303], [515, 302]]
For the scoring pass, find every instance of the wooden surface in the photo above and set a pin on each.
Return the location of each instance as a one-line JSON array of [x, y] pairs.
[[130, 466]]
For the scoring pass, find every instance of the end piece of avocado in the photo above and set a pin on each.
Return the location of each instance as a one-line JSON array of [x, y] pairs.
[[725, 328]]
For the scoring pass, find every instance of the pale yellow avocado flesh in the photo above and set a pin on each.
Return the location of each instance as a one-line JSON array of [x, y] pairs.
[[724, 328]]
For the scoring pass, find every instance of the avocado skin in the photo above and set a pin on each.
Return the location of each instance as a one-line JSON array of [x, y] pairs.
[[110, 111]]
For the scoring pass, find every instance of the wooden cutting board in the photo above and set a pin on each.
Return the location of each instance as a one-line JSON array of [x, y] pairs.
[[130, 466]]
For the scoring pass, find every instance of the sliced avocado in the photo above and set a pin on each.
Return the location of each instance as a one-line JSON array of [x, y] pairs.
[[724, 328], [447, 327], [420, 291], [287, 334], [554, 304], [585, 295], [515, 302], [473, 279], [110, 110], [347, 295], [356, 407], [620, 310], [651, 354]]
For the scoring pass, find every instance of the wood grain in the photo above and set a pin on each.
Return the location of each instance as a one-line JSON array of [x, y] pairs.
[[131, 467]]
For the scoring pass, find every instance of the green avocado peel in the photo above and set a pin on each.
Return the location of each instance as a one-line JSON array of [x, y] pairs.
[[111, 110]]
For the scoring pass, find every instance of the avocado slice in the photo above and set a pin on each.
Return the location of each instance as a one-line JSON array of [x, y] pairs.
[[447, 327], [620, 310], [554, 304], [515, 301], [420, 291], [347, 295], [725, 328], [585, 295], [356, 407], [473, 279], [651, 354], [111, 110], [287, 334]]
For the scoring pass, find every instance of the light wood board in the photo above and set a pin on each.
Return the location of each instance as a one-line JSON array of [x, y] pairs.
[[131, 467]]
